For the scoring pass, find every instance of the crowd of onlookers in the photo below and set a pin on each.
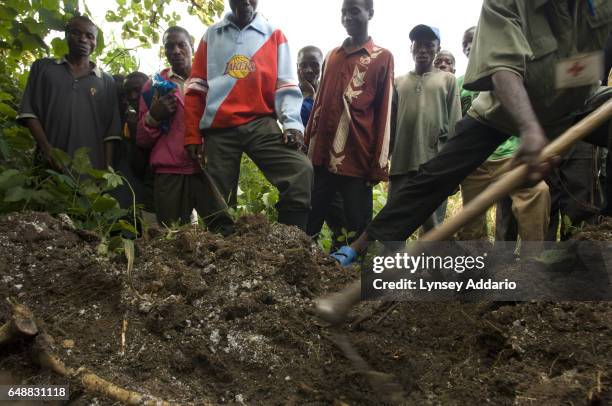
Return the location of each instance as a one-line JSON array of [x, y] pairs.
[[346, 122]]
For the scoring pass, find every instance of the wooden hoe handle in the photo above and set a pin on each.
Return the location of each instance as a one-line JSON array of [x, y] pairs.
[[335, 307]]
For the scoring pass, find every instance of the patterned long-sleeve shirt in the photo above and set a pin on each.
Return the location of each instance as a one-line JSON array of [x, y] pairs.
[[239, 76], [350, 126]]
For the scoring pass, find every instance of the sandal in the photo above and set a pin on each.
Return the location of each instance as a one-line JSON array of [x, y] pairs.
[[345, 256]]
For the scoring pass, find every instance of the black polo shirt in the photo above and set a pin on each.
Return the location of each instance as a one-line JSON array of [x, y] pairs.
[[73, 112]]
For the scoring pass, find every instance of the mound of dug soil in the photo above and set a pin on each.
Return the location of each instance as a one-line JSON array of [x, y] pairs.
[[228, 321]]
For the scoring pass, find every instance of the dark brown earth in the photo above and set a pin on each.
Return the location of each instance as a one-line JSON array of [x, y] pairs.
[[228, 320]]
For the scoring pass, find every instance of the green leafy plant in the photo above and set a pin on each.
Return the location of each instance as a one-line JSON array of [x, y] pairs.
[[379, 194], [255, 195], [346, 236], [77, 190], [563, 255], [568, 228], [325, 238]]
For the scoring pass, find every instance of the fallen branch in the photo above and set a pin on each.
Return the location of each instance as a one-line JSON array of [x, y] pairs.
[[23, 325], [596, 394], [20, 325], [91, 382], [493, 326]]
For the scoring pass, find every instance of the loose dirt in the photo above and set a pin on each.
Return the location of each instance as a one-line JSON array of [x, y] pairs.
[[229, 321]]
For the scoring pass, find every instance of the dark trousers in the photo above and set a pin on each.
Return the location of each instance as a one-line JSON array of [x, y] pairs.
[[574, 190], [336, 221], [608, 185], [176, 196], [287, 169], [356, 198], [122, 164], [396, 182], [506, 226], [436, 179]]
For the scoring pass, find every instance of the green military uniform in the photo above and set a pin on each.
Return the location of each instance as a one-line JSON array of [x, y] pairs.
[[515, 35], [529, 38], [531, 47]]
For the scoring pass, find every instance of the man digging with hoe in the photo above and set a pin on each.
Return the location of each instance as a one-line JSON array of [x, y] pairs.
[[523, 61]]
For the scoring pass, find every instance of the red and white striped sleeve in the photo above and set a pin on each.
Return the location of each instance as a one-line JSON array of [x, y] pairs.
[[196, 89]]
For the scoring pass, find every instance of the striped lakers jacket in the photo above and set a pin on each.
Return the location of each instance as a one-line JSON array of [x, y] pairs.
[[239, 76]]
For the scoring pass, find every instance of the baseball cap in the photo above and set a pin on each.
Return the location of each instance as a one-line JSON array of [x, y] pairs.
[[424, 31]]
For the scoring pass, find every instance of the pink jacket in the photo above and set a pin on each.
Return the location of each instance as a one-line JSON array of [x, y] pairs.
[[168, 154]]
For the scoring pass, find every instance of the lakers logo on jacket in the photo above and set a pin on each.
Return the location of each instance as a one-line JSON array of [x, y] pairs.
[[240, 76], [239, 67]]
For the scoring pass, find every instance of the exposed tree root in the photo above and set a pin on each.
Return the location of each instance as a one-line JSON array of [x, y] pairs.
[[23, 325], [20, 325]]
